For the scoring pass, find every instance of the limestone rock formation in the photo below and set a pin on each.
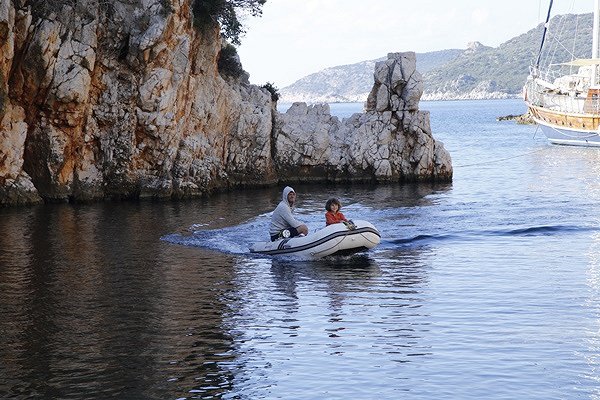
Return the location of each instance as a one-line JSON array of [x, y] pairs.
[[390, 141], [122, 99], [105, 99]]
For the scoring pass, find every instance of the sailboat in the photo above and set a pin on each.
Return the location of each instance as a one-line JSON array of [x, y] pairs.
[[567, 108]]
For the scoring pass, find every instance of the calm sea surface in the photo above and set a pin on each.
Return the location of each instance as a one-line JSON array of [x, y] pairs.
[[486, 288]]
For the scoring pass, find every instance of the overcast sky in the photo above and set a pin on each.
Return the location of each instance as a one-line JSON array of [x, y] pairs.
[[295, 38]]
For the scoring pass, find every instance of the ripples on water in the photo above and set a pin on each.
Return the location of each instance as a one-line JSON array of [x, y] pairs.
[[484, 288]]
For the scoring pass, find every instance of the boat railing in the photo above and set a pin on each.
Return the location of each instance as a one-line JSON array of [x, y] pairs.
[[573, 102]]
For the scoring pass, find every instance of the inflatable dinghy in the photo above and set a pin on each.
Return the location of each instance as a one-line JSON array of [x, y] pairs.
[[335, 239]]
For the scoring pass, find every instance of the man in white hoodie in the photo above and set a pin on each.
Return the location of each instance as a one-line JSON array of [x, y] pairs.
[[283, 223]]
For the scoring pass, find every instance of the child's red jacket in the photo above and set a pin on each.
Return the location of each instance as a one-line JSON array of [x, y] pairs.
[[331, 218]]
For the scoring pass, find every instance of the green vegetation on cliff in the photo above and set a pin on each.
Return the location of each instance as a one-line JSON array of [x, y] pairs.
[[225, 13], [271, 88], [229, 62]]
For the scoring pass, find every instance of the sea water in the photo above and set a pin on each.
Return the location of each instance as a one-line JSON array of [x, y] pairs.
[[486, 287]]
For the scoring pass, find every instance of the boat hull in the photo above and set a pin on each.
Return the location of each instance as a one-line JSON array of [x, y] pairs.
[[335, 239], [567, 128]]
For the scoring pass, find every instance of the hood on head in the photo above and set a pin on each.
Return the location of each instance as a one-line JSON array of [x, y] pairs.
[[287, 191]]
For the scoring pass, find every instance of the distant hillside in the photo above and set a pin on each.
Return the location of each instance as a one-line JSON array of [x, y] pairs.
[[478, 72], [502, 71], [352, 82]]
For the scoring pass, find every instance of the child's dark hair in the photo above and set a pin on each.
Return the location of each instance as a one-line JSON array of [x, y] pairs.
[[331, 201]]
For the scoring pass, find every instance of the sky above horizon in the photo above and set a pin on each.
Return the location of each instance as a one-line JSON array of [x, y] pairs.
[[295, 38]]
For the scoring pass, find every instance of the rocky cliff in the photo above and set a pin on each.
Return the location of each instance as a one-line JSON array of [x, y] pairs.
[[123, 99]]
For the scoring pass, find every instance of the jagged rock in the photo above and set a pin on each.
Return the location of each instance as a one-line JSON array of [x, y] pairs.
[[391, 140], [15, 185], [398, 84], [19, 191], [302, 139]]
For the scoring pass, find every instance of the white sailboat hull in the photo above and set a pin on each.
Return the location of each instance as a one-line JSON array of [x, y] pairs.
[[569, 137]]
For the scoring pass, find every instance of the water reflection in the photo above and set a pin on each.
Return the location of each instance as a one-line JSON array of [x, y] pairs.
[[592, 353], [282, 329], [92, 302], [592, 301], [336, 274]]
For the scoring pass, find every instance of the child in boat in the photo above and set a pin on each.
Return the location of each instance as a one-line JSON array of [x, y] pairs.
[[333, 214]]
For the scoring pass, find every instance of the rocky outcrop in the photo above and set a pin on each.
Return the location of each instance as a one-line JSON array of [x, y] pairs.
[[123, 99], [390, 141], [522, 119]]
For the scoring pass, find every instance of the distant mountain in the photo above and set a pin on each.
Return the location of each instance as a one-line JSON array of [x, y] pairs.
[[478, 72], [352, 82]]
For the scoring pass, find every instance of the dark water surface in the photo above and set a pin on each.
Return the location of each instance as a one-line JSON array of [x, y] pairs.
[[488, 287]]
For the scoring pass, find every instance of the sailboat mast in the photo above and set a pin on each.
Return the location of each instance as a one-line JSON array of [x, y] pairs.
[[595, 41], [537, 63], [596, 29]]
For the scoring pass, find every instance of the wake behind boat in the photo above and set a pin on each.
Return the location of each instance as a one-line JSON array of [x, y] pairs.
[[567, 106], [335, 239]]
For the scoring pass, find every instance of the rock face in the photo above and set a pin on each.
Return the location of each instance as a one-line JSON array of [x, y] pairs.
[[390, 141], [123, 99]]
